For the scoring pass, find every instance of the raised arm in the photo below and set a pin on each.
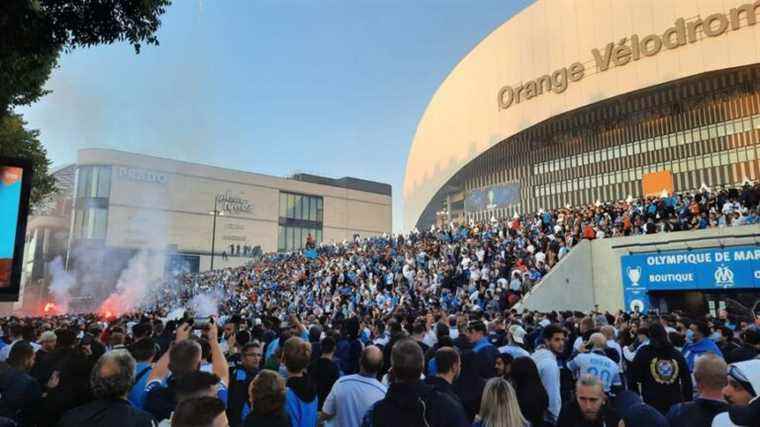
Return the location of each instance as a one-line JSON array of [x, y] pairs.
[[218, 361]]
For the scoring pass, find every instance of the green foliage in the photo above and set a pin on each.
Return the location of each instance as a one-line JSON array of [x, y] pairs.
[[17, 141], [33, 32], [32, 35]]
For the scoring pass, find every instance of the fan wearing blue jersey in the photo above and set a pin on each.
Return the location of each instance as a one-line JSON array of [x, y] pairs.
[[594, 361]]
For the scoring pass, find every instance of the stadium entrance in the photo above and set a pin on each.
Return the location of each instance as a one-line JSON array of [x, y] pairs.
[[697, 281], [741, 304]]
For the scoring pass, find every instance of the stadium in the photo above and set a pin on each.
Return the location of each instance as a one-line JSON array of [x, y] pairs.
[[567, 104], [573, 104]]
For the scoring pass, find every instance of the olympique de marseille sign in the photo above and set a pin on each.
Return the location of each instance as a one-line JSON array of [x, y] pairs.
[[734, 267]]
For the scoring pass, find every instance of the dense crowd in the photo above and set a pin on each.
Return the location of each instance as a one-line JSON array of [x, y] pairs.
[[404, 330], [416, 368]]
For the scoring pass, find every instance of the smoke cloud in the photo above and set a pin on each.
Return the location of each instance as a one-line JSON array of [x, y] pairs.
[[143, 270], [204, 305], [115, 278], [61, 284]]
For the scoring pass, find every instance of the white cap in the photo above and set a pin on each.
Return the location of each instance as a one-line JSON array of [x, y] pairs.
[[518, 333]]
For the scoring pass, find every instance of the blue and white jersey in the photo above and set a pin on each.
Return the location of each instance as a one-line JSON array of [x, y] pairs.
[[598, 365]]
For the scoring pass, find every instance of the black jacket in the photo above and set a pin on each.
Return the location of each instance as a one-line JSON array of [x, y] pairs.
[[740, 354], [240, 379], [277, 419], [534, 402], [107, 413], [161, 401], [442, 386], [323, 373], [415, 405], [699, 413], [20, 395], [571, 416], [469, 386], [661, 376]]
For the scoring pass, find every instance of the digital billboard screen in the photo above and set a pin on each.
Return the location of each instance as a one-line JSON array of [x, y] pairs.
[[493, 197], [15, 186]]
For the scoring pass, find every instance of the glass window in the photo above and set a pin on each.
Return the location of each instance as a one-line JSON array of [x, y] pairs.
[[291, 206], [283, 207], [320, 210], [703, 133], [721, 129], [680, 138], [699, 163], [688, 137], [290, 235], [83, 178], [747, 124], [100, 223], [724, 158], [319, 236], [733, 157], [756, 121], [731, 127], [312, 208], [306, 207], [298, 207], [104, 182], [281, 237], [78, 214]]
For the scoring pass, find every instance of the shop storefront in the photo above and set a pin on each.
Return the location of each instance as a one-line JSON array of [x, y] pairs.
[[696, 282]]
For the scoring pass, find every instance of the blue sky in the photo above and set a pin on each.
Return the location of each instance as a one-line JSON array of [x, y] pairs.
[[271, 86]]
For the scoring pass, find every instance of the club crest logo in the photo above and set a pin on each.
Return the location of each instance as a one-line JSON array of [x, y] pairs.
[[634, 275], [724, 277], [664, 371]]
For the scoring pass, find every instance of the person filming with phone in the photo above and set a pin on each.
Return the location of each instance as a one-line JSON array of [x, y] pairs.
[[184, 357]]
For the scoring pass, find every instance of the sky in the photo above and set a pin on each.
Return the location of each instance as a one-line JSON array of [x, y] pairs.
[[331, 87]]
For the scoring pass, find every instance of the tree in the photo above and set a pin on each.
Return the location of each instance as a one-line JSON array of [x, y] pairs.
[[32, 35], [17, 141]]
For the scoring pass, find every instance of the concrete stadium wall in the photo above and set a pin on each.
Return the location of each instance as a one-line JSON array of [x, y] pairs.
[[569, 285], [590, 274]]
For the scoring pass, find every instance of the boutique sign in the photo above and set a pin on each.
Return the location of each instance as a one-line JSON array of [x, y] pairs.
[[630, 49], [735, 267]]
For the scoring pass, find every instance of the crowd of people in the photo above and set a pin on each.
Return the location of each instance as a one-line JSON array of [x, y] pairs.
[[403, 330]]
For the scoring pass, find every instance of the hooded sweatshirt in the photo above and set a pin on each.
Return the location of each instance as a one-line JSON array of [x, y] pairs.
[[415, 405], [661, 375], [694, 350], [301, 402], [743, 415], [548, 369]]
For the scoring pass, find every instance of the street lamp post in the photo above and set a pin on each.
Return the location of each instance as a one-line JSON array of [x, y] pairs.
[[216, 212]]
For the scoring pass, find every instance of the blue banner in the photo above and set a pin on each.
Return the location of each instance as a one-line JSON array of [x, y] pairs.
[[497, 196], [736, 267]]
